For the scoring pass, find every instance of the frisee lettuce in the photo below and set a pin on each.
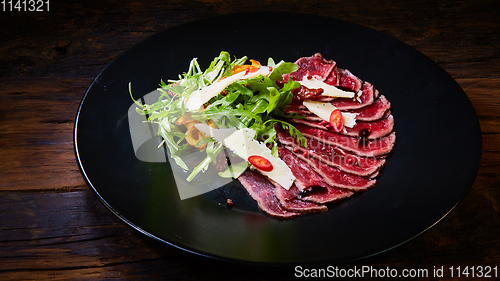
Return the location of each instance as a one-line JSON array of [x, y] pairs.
[[255, 103]]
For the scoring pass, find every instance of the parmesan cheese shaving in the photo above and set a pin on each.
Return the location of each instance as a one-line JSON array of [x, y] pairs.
[[324, 109], [328, 90], [201, 96], [243, 144]]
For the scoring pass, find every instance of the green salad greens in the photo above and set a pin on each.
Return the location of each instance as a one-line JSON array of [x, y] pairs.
[[256, 103]]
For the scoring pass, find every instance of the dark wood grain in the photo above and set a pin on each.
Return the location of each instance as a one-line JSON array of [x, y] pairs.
[[52, 227]]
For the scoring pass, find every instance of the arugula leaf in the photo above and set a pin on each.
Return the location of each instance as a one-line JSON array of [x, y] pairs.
[[294, 133], [212, 153], [257, 103], [275, 99], [282, 68], [203, 141]]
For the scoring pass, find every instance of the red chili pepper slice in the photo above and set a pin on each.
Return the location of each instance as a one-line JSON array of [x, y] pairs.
[[336, 120], [260, 163]]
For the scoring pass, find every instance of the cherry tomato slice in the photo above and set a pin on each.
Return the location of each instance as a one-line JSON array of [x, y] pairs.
[[336, 120], [260, 163]]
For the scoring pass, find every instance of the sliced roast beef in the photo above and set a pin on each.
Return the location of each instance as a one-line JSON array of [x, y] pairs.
[[262, 191], [345, 161], [315, 66], [313, 117], [333, 156], [335, 177], [318, 195], [289, 200], [333, 78], [367, 97], [348, 81], [319, 68], [305, 177], [333, 165], [367, 148], [325, 195], [373, 111], [350, 163], [309, 184], [322, 98], [298, 108], [370, 130], [375, 175]]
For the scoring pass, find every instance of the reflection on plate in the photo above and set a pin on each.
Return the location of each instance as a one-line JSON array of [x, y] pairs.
[[433, 165]]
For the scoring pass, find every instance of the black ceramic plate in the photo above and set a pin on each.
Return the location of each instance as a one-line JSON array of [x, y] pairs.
[[433, 164]]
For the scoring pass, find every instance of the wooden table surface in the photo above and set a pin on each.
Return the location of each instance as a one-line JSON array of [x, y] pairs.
[[52, 227]]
